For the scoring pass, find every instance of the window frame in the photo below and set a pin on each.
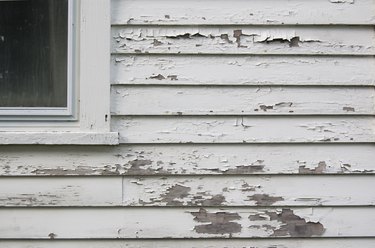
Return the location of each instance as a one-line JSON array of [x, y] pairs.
[[92, 74], [54, 113]]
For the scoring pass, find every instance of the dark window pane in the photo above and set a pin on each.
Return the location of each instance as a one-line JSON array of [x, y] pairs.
[[33, 53]]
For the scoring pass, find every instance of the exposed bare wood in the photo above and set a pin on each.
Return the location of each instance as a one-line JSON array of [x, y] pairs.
[[104, 223], [189, 159], [220, 129], [245, 40], [242, 100], [181, 12], [238, 70]]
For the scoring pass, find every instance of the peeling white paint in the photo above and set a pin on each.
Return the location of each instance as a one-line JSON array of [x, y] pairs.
[[99, 223], [257, 12], [239, 70], [262, 100], [338, 40]]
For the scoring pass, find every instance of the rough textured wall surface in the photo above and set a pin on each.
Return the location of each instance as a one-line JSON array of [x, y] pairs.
[[242, 124]]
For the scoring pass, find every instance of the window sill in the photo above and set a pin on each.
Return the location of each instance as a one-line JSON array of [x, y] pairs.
[[59, 138]]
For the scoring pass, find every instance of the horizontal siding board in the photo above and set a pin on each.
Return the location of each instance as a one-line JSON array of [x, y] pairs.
[[188, 159], [215, 243], [237, 129], [231, 191], [64, 191], [245, 40], [197, 12], [104, 223], [239, 70], [249, 191], [177, 100]]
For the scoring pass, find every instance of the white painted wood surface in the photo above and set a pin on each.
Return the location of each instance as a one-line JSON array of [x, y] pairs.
[[242, 70], [93, 72], [58, 138], [242, 100], [254, 176], [245, 40], [237, 129], [188, 159], [112, 223], [274, 12], [249, 191], [210, 243], [60, 191], [187, 191]]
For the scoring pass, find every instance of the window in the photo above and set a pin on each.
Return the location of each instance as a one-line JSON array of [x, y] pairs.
[[54, 72], [36, 66]]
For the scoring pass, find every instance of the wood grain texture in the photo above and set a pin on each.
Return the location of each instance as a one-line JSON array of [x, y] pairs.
[[36, 137], [188, 159], [210, 243], [61, 192], [178, 100], [249, 191], [333, 40], [105, 223], [242, 70], [234, 191], [222, 129], [182, 12]]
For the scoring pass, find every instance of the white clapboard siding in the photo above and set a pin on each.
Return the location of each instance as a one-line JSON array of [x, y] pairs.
[[182, 12], [245, 40], [210, 243], [188, 159], [187, 191], [113, 223], [242, 70], [242, 100], [61, 191], [249, 191], [237, 129]]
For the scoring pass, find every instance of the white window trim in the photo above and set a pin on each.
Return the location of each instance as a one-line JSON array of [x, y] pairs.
[[92, 74]]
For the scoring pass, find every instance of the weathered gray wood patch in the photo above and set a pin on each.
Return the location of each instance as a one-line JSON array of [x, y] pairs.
[[220, 129], [61, 191], [242, 70], [182, 12], [249, 191], [244, 40], [140, 223], [188, 159], [210, 243], [242, 100]]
